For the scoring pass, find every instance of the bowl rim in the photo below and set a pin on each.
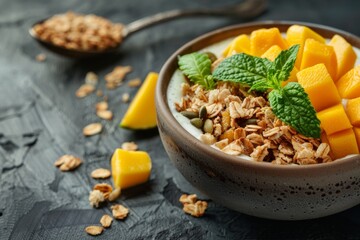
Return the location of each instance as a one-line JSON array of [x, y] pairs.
[[182, 134]]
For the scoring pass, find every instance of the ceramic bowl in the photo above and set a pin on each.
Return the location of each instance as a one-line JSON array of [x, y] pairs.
[[264, 190]]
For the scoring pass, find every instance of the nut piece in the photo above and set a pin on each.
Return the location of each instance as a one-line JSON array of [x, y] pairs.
[[115, 78], [134, 82], [184, 199], [84, 90], [68, 163], [100, 173], [115, 194], [106, 221], [40, 57], [96, 197], [105, 188], [119, 211], [92, 129], [195, 209], [102, 106], [104, 114], [91, 78], [94, 230], [125, 97], [129, 146]]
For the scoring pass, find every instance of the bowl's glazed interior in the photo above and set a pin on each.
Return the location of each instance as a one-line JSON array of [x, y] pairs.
[[278, 192]]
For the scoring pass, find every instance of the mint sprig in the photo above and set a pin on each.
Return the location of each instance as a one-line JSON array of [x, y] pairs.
[[290, 104], [197, 67]]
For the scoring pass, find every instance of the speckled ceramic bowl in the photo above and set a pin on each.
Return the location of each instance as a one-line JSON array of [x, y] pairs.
[[258, 189]]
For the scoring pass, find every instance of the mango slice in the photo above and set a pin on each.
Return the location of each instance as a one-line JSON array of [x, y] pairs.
[[262, 39], [320, 87], [130, 168], [345, 55], [343, 143], [349, 84], [334, 119], [141, 113], [316, 52], [271, 54], [357, 135], [297, 35], [241, 44], [353, 111]]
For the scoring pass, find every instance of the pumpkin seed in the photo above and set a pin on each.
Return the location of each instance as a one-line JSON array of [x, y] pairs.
[[197, 122], [203, 112], [189, 114], [208, 126]]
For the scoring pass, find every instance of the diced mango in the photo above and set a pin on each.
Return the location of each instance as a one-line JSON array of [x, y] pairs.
[[297, 35], [353, 111], [141, 113], [262, 39], [345, 55], [271, 54], [343, 143], [357, 135], [319, 86], [349, 84], [241, 44], [316, 52], [130, 168], [334, 119]]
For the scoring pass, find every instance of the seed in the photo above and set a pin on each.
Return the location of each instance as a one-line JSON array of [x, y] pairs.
[[212, 56], [105, 114], [197, 122], [208, 126], [125, 97], [94, 230], [41, 57], [203, 112], [100, 173], [92, 129], [251, 121], [189, 114], [102, 106]]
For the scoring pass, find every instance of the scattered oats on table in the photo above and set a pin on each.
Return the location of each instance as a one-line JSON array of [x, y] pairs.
[[105, 114], [94, 230], [41, 57], [84, 90], [129, 146], [100, 173], [134, 82], [193, 206], [91, 78], [119, 211], [125, 97], [106, 221], [103, 105], [68, 162], [116, 77], [92, 129]]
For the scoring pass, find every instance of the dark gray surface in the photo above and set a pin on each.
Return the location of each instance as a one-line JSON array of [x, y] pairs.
[[40, 120]]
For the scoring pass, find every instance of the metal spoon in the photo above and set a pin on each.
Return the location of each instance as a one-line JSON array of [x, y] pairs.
[[246, 10]]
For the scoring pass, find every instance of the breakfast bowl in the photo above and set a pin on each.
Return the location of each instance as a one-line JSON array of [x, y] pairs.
[[262, 189]]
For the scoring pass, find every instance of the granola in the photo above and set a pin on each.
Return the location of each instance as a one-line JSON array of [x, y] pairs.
[[243, 124]]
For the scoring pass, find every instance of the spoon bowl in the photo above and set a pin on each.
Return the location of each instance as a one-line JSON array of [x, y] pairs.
[[246, 10]]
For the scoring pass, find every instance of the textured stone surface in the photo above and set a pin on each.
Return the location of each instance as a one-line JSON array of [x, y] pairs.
[[40, 120]]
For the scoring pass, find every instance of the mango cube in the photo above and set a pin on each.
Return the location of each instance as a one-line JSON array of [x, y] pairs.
[[262, 39], [316, 52], [141, 113], [334, 119], [130, 168], [349, 84], [297, 35], [353, 111], [357, 135], [345, 55], [271, 54], [241, 44], [320, 87], [343, 143]]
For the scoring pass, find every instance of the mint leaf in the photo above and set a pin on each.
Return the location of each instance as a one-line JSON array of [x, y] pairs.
[[242, 68], [283, 64], [292, 105], [197, 67]]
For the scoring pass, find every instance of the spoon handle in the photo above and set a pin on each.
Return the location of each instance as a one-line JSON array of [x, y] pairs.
[[247, 9]]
